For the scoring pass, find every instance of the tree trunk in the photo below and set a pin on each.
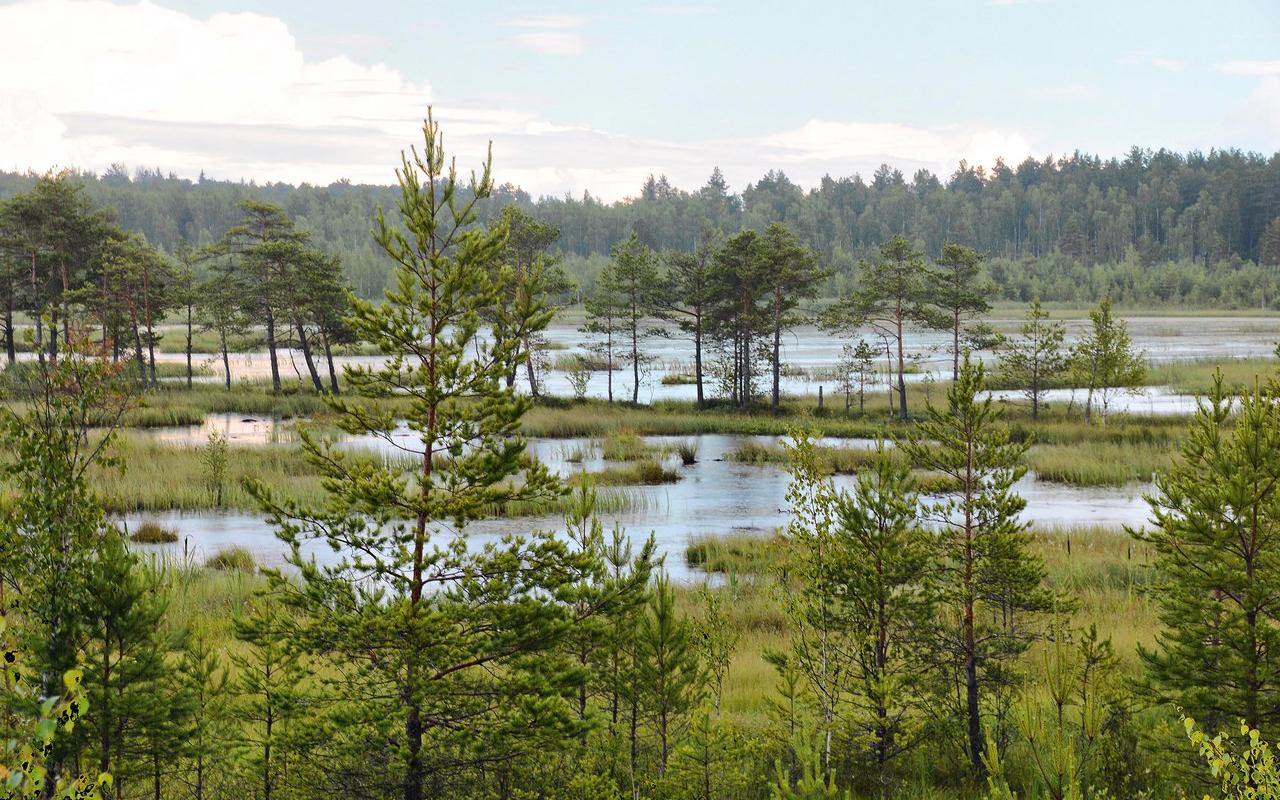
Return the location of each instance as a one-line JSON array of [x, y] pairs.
[[146, 316], [529, 368], [189, 345], [35, 312], [697, 353], [609, 358], [10, 349], [902, 379], [226, 359], [955, 350], [271, 350], [971, 693], [635, 363], [137, 344], [306, 356], [53, 334], [328, 357], [777, 347]]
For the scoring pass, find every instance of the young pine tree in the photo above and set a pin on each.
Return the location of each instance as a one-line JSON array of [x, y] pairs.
[[462, 644], [635, 281], [202, 678], [668, 665], [126, 665], [1035, 361], [270, 689], [881, 575], [989, 587], [959, 292], [606, 308], [1217, 539]]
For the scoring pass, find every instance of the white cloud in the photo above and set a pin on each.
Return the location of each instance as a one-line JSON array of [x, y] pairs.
[[234, 96], [1255, 68], [1148, 59], [551, 34], [552, 43], [548, 21], [678, 10], [1074, 90]]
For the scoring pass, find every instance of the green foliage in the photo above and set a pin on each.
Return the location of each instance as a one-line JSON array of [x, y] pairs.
[[1246, 771], [24, 772], [214, 459], [1035, 361], [960, 292], [1217, 540], [1104, 361], [989, 586], [892, 293], [460, 645]]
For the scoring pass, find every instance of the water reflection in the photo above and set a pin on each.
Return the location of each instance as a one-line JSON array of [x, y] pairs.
[[716, 496]]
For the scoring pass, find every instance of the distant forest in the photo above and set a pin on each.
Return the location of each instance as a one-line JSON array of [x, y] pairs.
[[1152, 228]]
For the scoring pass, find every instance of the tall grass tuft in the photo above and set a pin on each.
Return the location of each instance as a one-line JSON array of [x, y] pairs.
[[232, 558], [152, 532]]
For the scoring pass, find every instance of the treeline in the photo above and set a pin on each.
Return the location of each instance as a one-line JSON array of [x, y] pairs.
[[1153, 227], [734, 300], [68, 266]]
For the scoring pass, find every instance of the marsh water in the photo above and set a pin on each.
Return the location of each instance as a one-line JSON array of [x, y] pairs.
[[715, 496], [809, 354]]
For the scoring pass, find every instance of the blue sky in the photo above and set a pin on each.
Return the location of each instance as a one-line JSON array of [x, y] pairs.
[[593, 96]]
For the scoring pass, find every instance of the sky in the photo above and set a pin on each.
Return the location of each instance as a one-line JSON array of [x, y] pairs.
[[595, 96]]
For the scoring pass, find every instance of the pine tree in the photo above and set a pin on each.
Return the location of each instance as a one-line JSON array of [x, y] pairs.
[[792, 275], [221, 311], [960, 292], [126, 669], [203, 679], [740, 314], [1036, 361], [462, 644], [605, 596], [537, 278], [989, 587], [270, 689], [667, 665], [857, 371], [1217, 540], [605, 314], [881, 577], [635, 282], [891, 296], [687, 295]]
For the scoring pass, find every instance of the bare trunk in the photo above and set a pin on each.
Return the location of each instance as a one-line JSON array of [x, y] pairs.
[[777, 346], [902, 379], [189, 310], [271, 350], [697, 354], [328, 357], [226, 358], [306, 356]]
